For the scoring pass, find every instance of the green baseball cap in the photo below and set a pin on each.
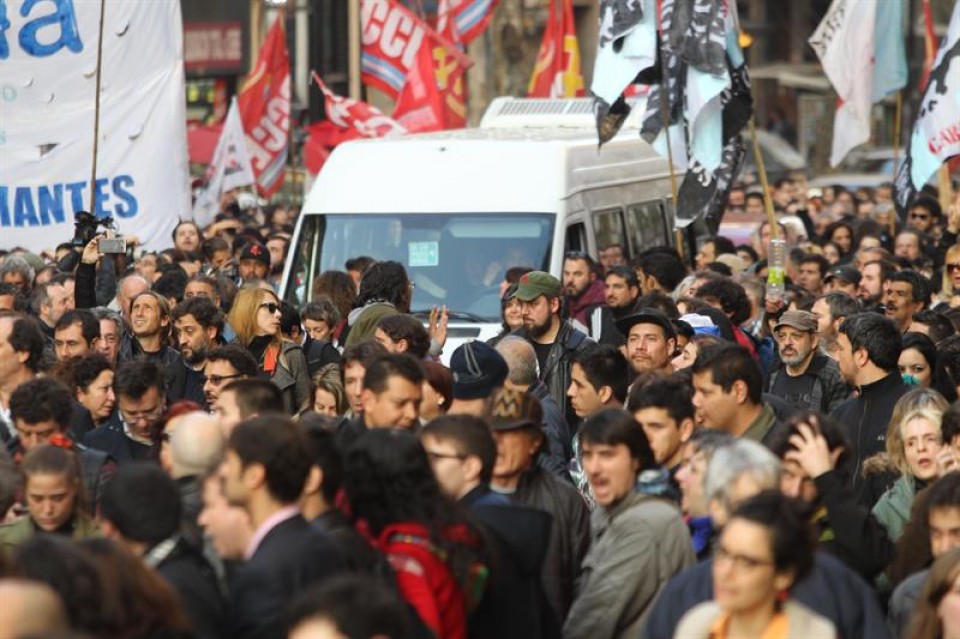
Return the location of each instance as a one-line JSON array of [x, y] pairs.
[[536, 283]]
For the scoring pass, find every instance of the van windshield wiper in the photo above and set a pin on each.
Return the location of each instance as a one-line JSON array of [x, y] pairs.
[[459, 315]]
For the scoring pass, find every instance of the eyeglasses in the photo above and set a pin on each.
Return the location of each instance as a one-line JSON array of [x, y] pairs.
[[435, 456], [919, 216], [216, 380], [271, 307], [952, 267], [132, 417], [740, 562]]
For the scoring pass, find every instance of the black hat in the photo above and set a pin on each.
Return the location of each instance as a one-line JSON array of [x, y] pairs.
[[848, 274], [647, 316], [255, 251], [478, 369]]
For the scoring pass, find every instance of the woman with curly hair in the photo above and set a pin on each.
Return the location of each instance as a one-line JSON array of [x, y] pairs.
[[434, 551], [255, 317]]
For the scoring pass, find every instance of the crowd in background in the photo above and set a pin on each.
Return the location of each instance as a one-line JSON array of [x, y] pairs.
[[653, 446]]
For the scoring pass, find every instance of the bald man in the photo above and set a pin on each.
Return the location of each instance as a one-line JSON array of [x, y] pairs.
[[195, 447], [30, 608]]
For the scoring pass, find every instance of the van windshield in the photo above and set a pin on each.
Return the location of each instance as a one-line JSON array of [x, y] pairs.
[[455, 260]]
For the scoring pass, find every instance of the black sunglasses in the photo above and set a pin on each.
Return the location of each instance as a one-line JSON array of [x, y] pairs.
[[271, 307]]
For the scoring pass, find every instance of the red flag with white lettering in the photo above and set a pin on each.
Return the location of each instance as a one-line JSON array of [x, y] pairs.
[[392, 36], [265, 110], [357, 115], [556, 73], [420, 106]]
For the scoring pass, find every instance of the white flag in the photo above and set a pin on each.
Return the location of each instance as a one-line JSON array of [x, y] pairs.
[[229, 169], [844, 42], [936, 134]]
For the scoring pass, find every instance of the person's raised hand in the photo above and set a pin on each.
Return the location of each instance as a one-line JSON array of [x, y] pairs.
[[437, 326], [810, 451], [91, 252]]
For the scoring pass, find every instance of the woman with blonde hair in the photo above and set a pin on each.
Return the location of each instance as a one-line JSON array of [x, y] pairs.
[[255, 318], [914, 444], [329, 397], [55, 496]]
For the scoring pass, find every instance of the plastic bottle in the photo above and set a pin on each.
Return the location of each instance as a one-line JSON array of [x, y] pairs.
[[776, 268]]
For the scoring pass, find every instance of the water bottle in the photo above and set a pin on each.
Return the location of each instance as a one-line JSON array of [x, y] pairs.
[[776, 268]]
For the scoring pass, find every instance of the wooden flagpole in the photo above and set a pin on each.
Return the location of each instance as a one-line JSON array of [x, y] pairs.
[[897, 124], [762, 173], [96, 111]]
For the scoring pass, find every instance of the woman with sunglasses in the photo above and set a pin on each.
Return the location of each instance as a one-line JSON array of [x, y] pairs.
[[763, 551], [255, 317]]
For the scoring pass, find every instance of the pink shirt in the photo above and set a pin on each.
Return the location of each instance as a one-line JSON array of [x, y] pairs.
[[271, 522]]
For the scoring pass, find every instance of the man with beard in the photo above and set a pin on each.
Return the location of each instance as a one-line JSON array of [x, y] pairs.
[[622, 290], [874, 278], [906, 293], [553, 339], [831, 309], [806, 378], [582, 289], [651, 341], [198, 324]]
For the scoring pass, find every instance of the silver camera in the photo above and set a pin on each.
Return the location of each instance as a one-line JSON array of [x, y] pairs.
[[112, 245]]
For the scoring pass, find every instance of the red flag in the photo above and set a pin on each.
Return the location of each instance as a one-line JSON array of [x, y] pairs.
[[265, 110], [471, 17], [930, 44], [421, 106], [556, 73], [357, 115], [392, 37], [450, 73]]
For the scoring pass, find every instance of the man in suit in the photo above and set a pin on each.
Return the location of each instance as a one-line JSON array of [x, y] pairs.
[[266, 466]]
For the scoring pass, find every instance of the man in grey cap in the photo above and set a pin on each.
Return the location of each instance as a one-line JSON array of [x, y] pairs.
[[553, 338], [805, 378]]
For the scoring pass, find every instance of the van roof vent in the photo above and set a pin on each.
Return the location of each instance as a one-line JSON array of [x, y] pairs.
[[576, 113]]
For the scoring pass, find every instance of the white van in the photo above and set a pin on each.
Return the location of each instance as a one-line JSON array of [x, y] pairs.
[[458, 208]]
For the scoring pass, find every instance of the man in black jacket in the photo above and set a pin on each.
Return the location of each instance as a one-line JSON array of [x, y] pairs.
[[868, 351], [516, 419], [264, 472], [553, 339], [141, 509]]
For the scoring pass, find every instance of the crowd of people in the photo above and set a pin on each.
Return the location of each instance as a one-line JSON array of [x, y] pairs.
[[652, 446]]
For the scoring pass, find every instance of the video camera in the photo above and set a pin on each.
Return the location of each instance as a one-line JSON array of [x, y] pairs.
[[85, 228]]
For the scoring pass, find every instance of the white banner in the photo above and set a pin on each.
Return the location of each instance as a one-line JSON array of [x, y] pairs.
[[48, 61], [844, 42]]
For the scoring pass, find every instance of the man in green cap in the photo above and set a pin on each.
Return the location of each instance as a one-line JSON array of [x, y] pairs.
[[554, 339]]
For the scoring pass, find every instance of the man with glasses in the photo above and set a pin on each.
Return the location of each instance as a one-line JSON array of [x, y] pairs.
[[40, 410], [139, 387], [223, 365], [924, 214]]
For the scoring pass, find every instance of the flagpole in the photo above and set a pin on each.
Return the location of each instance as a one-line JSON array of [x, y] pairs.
[[96, 111], [897, 124], [762, 173], [353, 26]]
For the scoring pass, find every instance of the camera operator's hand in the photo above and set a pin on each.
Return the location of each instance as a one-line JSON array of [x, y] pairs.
[[91, 252]]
